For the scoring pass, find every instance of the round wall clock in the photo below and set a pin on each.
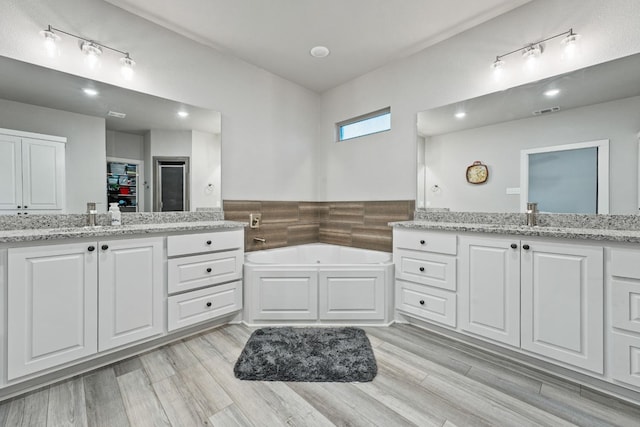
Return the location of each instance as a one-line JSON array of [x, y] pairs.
[[477, 173]]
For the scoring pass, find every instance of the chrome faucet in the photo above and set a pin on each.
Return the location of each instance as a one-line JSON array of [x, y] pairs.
[[259, 239], [532, 211], [91, 213]]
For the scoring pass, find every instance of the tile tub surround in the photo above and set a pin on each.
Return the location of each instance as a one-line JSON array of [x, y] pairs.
[[357, 224], [37, 221]]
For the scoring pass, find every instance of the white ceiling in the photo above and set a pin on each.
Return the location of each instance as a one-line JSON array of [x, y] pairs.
[[277, 34]]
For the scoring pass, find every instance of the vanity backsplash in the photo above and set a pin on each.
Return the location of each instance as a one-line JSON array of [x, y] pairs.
[[31, 221], [612, 222]]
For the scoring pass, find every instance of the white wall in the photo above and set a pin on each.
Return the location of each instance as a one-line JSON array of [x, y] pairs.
[[269, 123], [498, 146], [86, 169], [125, 145], [383, 166], [278, 137]]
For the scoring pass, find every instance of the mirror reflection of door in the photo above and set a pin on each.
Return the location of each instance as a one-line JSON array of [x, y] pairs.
[[171, 184], [571, 178]]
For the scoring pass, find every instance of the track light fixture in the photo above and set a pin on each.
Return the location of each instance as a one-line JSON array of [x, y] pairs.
[[91, 48], [531, 52]]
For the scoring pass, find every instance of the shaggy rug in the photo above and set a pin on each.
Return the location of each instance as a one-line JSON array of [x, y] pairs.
[[307, 354]]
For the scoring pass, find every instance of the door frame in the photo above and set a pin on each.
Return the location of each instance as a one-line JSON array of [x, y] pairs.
[[157, 161]]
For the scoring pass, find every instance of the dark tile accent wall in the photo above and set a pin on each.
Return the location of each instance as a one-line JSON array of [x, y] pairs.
[[357, 224]]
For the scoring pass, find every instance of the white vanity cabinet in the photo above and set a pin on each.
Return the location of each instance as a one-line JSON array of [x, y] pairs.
[[544, 297], [563, 302], [32, 172], [204, 273], [541, 296], [52, 312], [68, 301], [426, 274], [624, 288], [490, 288], [131, 292]]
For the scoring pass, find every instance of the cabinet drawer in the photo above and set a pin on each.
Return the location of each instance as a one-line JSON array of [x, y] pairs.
[[625, 263], [625, 301], [197, 271], [425, 302], [426, 268], [626, 359], [197, 306], [427, 241], [204, 242]]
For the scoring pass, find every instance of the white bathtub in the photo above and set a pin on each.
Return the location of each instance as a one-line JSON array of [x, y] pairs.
[[318, 283]]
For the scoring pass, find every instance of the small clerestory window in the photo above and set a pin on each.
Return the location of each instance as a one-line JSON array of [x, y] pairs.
[[367, 124]]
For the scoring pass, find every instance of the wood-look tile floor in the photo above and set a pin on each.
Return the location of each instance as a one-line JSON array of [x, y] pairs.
[[423, 380]]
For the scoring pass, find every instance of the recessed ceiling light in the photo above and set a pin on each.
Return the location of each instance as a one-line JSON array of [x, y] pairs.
[[183, 114], [90, 92], [551, 92], [461, 115], [319, 51]]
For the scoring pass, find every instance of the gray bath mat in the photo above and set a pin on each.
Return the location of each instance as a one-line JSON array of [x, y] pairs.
[[307, 354]]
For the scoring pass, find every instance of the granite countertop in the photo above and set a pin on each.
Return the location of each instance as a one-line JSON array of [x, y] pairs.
[[41, 234], [601, 234]]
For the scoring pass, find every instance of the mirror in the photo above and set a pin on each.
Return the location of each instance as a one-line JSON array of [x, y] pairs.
[[596, 103], [45, 101]]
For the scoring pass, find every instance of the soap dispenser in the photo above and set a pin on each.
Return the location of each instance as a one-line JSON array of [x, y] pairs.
[[115, 214]]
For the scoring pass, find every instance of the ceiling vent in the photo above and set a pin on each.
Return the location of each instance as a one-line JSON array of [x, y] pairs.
[[120, 115], [546, 110]]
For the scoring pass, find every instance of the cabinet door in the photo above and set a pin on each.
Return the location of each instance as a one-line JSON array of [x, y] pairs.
[[42, 174], [130, 291], [51, 306], [10, 172], [351, 295], [490, 288], [562, 303], [283, 295]]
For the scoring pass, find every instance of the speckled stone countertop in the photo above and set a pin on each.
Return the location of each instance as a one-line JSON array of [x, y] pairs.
[[14, 229], [39, 234], [613, 228]]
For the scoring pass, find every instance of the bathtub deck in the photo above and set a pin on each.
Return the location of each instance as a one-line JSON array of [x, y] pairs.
[[423, 380]]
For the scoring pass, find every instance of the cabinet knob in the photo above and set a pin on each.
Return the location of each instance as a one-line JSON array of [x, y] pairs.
[[104, 247], [421, 268], [525, 247], [25, 206], [91, 248], [422, 242], [421, 302], [209, 270], [19, 207], [208, 303], [514, 246], [208, 242]]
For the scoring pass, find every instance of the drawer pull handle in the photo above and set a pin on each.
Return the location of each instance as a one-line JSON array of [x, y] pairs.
[[208, 303], [421, 302], [91, 248], [525, 247], [514, 246], [105, 247], [209, 270], [422, 269], [422, 242], [208, 242]]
